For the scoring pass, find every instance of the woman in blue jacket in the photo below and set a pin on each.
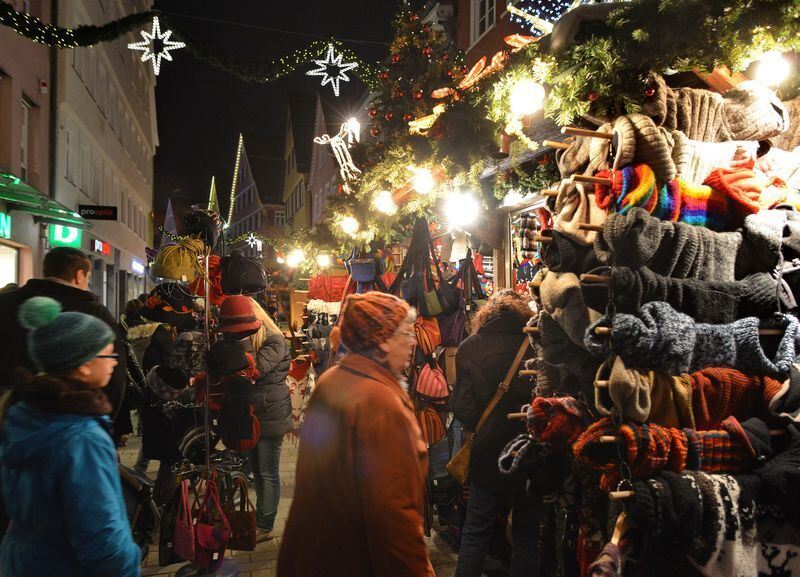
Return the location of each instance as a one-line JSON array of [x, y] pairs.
[[58, 465]]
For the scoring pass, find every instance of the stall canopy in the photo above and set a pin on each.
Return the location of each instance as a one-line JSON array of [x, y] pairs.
[[20, 196]]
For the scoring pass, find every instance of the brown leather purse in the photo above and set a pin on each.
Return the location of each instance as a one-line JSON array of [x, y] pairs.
[[458, 467], [243, 520]]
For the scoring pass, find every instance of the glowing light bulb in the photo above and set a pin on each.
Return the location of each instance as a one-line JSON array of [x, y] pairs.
[[295, 258], [349, 225], [527, 97], [422, 180], [772, 68], [323, 260], [462, 209], [354, 128], [384, 202]]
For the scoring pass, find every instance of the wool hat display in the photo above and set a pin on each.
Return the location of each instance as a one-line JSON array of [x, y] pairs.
[[61, 341], [575, 206], [562, 299], [681, 250], [180, 261], [662, 339], [236, 316], [705, 301], [226, 357], [242, 274], [576, 366], [370, 319]]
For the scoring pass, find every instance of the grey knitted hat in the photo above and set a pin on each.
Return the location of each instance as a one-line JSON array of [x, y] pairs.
[[662, 339]]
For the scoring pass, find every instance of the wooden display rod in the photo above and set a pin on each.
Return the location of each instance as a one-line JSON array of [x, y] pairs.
[[602, 330], [587, 133], [592, 227], [595, 278], [556, 145], [601, 384], [591, 179], [610, 439], [516, 416], [531, 330], [542, 239], [528, 373], [549, 192]]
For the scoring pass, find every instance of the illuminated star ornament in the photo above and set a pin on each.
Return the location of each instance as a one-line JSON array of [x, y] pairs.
[[156, 45], [332, 60]]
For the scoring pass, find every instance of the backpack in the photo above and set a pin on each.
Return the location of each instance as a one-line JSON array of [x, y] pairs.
[[239, 428]]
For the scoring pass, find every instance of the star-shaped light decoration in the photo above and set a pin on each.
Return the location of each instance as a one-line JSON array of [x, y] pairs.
[[156, 45], [332, 60]]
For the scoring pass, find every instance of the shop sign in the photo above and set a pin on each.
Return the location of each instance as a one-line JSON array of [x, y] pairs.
[[96, 212], [101, 247], [61, 235], [5, 225], [137, 266]]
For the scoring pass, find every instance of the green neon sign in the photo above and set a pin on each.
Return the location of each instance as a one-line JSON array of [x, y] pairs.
[[61, 235], [5, 225]]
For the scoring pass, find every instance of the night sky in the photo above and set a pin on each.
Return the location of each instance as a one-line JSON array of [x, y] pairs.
[[201, 110]]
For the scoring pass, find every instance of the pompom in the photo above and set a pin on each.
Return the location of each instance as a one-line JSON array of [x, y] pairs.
[[38, 311]]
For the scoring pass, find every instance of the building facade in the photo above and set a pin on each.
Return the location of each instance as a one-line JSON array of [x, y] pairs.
[[25, 75], [480, 26], [323, 170], [297, 161], [105, 143]]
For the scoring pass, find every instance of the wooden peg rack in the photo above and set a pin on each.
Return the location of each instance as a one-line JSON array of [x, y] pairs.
[[586, 133]]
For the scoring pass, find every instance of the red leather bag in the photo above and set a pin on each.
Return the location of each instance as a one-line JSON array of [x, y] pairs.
[[212, 530], [183, 537]]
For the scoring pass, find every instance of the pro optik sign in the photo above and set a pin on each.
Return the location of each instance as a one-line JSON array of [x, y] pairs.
[[96, 212]]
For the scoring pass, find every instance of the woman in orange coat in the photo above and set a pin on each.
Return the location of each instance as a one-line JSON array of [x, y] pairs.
[[361, 466]]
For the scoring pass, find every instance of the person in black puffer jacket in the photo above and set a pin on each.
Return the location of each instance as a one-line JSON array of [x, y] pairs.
[[482, 361], [243, 318]]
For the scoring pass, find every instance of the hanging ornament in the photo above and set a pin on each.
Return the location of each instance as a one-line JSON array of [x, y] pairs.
[[414, 17], [374, 131], [407, 117], [332, 60], [348, 133], [398, 93], [444, 57], [389, 116], [650, 92], [426, 28], [427, 51], [156, 45], [419, 95], [372, 112], [383, 75], [593, 96], [396, 58]]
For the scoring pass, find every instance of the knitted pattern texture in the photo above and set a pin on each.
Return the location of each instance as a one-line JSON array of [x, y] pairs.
[[662, 339]]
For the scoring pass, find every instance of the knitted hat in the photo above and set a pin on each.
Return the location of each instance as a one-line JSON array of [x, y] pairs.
[[179, 261], [557, 421], [370, 319], [59, 342], [618, 152], [628, 390], [561, 297], [226, 357], [575, 206], [754, 112], [236, 316], [790, 139]]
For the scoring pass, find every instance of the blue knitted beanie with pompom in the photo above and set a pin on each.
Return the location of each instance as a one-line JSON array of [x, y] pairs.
[[59, 342]]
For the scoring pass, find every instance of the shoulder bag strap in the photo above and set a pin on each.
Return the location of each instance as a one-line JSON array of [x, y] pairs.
[[501, 390]]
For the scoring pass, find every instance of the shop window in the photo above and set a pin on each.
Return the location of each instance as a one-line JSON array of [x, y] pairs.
[[9, 258], [24, 141]]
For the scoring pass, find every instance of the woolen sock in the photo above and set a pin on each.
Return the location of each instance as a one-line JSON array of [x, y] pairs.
[[701, 205], [662, 339]]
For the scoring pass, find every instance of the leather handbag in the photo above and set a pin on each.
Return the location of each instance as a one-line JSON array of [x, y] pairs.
[[241, 520], [242, 275], [431, 383], [183, 536], [212, 530], [458, 466]]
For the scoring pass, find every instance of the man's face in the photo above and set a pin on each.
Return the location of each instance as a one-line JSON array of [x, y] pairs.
[[82, 279]]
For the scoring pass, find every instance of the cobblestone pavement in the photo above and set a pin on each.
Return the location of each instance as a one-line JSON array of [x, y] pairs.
[[263, 561]]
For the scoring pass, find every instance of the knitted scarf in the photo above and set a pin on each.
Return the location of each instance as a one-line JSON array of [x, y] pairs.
[[56, 394]]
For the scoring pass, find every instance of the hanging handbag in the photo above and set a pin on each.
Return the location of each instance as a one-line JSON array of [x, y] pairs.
[[184, 536], [458, 466], [242, 275], [243, 520], [426, 331], [212, 530], [431, 382]]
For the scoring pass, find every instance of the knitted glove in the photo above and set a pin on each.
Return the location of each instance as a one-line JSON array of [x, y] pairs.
[[680, 250], [712, 301], [662, 339]]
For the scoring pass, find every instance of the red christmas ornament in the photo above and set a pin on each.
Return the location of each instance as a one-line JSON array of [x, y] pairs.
[[375, 131], [427, 51], [650, 92], [445, 57], [383, 75], [396, 58], [389, 115], [450, 73], [408, 117], [398, 93], [593, 96], [414, 17], [373, 112], [426, 29], [418, 95]]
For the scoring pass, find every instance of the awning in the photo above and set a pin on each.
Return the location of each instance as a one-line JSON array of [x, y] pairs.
[[21, 196]]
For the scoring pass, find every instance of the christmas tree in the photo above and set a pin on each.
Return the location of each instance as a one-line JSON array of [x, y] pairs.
[[422, 59]]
